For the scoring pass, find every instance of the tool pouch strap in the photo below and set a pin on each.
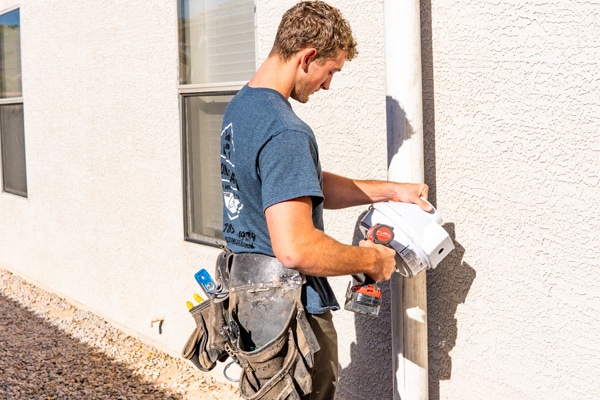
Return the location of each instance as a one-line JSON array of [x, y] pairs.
[[275, 344]]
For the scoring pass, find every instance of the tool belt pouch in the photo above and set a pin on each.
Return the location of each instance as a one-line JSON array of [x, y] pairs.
[[195, 348], [275, 344], [206, 345]]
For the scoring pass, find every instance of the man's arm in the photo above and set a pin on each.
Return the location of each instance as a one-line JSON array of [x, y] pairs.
[[297, 244], [341, 192]]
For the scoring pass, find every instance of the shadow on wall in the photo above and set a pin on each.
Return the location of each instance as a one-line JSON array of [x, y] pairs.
[[397, 127], [449, 284], [447, 287], [369, 374]]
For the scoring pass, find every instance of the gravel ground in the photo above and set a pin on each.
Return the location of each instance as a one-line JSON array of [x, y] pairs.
[[49, 349]]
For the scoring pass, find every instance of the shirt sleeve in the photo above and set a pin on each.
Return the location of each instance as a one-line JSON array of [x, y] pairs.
[[289, 168]]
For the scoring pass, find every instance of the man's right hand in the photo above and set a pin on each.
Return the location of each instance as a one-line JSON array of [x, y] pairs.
[[386, 261]]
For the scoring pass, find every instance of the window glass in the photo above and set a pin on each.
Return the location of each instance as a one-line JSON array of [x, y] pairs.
[[216, 41], [12, 142], [12, 135], [10, 55], [203, 116], [216, 55]]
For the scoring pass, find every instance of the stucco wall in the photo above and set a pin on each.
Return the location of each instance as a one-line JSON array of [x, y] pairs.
[[512, 110], [103, 223]]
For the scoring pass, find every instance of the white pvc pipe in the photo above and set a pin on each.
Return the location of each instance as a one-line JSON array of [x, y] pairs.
[[405, 154]]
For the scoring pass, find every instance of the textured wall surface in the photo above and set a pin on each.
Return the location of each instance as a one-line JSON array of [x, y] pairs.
[[512, 109], [103, 223]]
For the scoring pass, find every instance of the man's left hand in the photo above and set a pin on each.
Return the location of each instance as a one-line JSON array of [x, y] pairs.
[[412, 193]]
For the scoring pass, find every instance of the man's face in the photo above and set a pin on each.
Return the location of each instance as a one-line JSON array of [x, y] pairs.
[[318, 75]]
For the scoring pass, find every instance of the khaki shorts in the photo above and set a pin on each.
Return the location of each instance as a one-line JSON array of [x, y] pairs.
[[325, 372]]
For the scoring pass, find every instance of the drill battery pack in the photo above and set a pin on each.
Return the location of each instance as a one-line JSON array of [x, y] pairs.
[[363, 298]]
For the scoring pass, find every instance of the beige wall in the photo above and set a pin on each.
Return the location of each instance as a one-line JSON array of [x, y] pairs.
[[512, 98], [511, 109], [103, 223]]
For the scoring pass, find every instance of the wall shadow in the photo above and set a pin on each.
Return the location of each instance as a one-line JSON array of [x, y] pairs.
[[447, 287], [396, 127], [449, 284], [38, 360], [369, 374], [428, 96]]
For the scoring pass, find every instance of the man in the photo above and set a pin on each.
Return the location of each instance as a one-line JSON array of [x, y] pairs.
[[273, 187]]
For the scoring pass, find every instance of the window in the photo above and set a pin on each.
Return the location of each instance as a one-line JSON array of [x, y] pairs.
[[216, 58], [12, 133]]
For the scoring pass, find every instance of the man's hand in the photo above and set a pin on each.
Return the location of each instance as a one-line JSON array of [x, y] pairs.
[[411, 193], [386, 264]]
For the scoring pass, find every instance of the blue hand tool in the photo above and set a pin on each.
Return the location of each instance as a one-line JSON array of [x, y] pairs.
[[204, 279]]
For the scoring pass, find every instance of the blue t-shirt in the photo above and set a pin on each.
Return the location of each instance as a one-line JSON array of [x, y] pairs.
[[269, 155]]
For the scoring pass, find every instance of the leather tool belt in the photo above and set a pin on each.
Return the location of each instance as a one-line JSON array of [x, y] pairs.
[[256, 318]]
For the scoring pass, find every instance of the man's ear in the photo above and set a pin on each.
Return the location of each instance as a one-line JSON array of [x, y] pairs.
[[308, 56]]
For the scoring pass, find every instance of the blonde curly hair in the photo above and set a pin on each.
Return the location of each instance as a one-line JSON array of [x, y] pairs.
[[314, 24]]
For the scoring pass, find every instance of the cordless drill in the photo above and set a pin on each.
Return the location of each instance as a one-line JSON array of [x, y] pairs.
[[364, 296]]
